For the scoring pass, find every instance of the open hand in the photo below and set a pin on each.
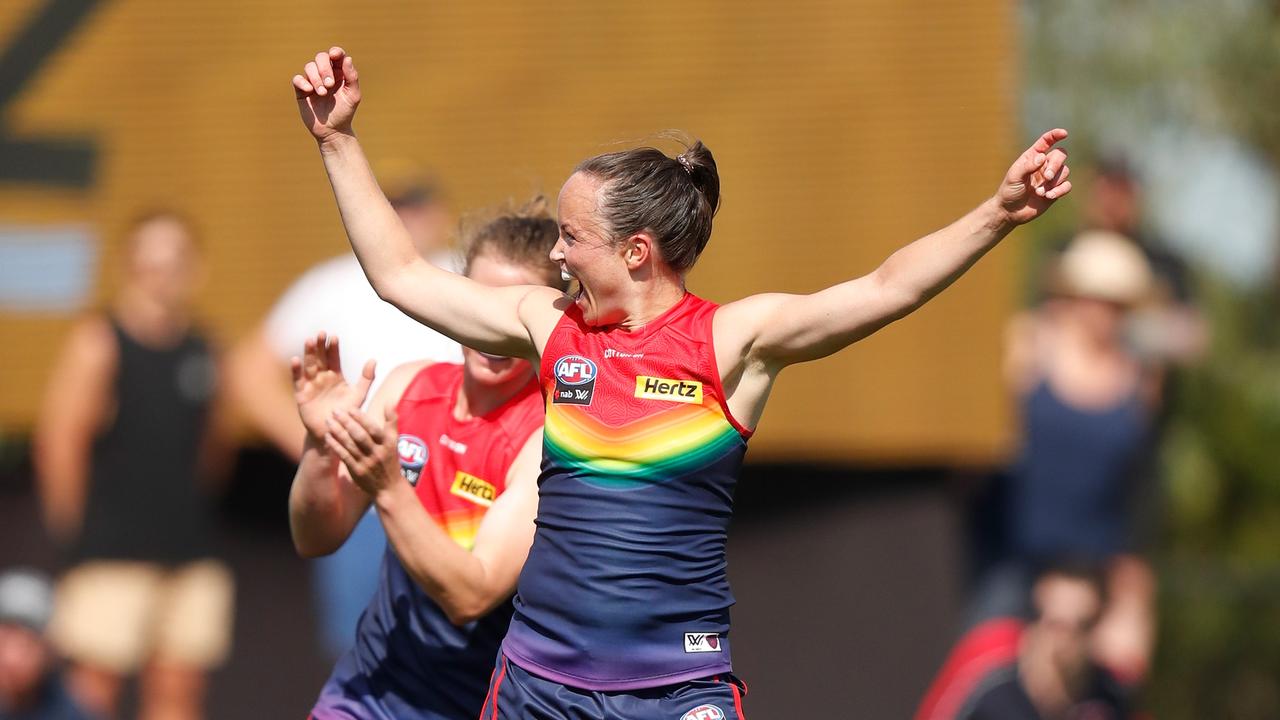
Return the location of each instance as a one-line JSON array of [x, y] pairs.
[[328, 92], [1037, 178], [319, 387]]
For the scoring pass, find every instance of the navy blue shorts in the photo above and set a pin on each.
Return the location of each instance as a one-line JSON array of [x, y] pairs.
[[515, 694]]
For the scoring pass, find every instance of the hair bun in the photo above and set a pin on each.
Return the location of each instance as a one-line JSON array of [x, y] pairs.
[[701, 166]]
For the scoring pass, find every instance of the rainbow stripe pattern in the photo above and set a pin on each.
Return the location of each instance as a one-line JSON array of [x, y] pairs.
[[668, 444]]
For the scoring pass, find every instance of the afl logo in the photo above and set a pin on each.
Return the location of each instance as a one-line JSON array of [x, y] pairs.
[[575, 380], [413, 456], [704, 712], [575, 370]]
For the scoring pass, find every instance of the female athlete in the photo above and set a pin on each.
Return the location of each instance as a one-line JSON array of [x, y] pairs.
[[452, 471], [622, 609]]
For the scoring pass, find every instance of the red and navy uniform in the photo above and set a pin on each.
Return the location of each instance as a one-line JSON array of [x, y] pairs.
[[409, 661], [625, 587]]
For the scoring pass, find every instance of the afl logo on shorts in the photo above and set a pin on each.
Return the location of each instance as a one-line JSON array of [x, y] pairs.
[[413, 456], [704, 712], [575, 380]]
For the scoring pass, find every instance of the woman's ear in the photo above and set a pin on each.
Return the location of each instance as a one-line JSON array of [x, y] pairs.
[[639, 249]]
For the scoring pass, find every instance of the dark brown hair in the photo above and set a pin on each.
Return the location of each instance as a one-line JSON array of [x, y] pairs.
[[675, 199], [523, 235]]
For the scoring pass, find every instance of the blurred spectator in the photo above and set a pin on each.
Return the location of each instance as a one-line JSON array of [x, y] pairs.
[[124, 440], [1170, 329], [335, 297], [30, 686], [1088, 404], [1004, 669]]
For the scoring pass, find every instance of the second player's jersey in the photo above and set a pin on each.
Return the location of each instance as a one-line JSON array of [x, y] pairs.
[[625, 586], [409, 661]]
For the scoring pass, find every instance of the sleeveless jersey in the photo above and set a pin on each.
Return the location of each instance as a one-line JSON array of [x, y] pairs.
[[409, 661], [625, 586]]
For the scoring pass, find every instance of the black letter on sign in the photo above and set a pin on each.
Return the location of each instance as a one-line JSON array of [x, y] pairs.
[[64, 162]]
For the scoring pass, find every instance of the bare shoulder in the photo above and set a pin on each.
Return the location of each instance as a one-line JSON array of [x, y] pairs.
[[540, 310], [739, 324], [92, 342], [396, 382], [1025, 344]]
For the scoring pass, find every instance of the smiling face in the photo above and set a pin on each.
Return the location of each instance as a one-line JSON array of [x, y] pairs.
[[587, 253], [493, 370]]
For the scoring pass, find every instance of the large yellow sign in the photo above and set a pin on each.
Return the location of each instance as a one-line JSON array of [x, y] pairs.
[[842, 130]]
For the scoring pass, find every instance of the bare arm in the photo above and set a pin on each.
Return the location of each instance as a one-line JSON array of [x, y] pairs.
[[1023, 347], [77, 402], [465, 584], [760, 335], [324, 505], [487, 318], [257, 384]]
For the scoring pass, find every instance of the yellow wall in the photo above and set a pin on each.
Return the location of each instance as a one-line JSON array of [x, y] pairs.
[[842, 130]]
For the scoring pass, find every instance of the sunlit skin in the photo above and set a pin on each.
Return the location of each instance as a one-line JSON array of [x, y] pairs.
[[163, 265], [466, 584], [24, 660], [1100, 321], [1054, 658], [1069, 609], [619, 282], [489, 380], [626, 283]]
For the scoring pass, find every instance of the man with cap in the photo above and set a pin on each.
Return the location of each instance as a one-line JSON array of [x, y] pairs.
[[30, 686]]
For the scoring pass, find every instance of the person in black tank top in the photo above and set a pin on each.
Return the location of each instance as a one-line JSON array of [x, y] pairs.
[[123, 446]]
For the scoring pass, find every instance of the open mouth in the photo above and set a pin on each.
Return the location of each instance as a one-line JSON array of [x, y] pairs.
[[493, 358], [575, 291]]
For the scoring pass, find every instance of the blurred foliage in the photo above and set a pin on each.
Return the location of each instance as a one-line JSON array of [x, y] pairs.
[[1112, 71], [1219, 652]]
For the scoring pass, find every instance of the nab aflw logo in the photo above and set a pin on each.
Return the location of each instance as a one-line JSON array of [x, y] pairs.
[[575, 380], [413, 456], [701, 642]]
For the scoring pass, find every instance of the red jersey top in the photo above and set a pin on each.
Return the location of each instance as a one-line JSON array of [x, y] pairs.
[[459, 467], [408, 659]]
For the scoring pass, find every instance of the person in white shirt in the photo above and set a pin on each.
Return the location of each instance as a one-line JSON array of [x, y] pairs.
[[335, 297]]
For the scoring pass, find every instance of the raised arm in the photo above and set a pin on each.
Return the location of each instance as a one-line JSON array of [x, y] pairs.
[[492, 319], [758, 336], [465, 584]]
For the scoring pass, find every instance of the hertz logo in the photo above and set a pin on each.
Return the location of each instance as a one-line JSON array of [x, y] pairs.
[[684, 391], [474, 489]]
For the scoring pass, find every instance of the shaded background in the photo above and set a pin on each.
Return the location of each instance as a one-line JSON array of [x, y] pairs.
[[842, 130]]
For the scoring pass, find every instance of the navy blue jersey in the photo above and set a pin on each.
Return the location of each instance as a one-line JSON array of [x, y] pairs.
[[409, 661], [625, 586]]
